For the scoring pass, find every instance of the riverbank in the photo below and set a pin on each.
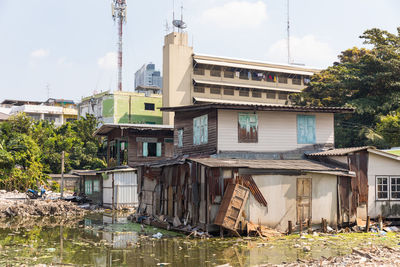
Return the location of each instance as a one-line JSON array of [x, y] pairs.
[[15, 204], [102, 238]]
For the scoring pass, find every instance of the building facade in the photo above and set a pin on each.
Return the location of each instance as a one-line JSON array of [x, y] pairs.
[[58, 111], [147, 75], [123, 107], [189, 77]]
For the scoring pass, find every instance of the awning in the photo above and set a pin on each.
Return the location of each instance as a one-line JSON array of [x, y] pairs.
[[106, 128], [245, 86], [252, 67]]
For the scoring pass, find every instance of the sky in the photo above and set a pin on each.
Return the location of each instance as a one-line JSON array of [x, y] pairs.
[[67, 48]]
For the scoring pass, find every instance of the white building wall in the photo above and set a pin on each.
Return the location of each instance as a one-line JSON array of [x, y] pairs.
[[380, 165], [277, 131], [280, 194]]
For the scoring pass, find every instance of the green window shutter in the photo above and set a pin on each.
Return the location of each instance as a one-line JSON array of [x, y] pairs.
[[88, 187], [180, 138], [306, 129], [205, 129], [145, 151], [158, 150]]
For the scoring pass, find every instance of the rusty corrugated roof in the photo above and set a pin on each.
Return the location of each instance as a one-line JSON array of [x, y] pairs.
[[341, 151], [108, 127], [268, 164]]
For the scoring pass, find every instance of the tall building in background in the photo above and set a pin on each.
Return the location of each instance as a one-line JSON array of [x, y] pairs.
[[148, 76], [191, 78]]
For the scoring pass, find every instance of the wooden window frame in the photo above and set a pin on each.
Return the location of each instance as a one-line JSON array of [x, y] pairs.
[[200, 130], [247, 136], [391, 187]]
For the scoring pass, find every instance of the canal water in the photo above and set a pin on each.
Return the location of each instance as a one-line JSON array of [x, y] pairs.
[[110, 240]]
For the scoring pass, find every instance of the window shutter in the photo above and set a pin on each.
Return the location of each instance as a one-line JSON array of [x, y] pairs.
[[158, 150], [145, 151], [306, 129]]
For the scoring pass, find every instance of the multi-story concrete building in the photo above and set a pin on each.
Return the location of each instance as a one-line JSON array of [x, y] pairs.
[[192, 78], [123, 107], [147, 75], [58, 111]]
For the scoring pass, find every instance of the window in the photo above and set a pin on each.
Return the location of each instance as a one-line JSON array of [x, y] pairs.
[[382, 189], [229, 73], [180, 137], [283, 96], [306, 129], [256, 93], [200, 130], [244, 75], [198, 70], [198, 89], [282, 78], [248, 128], [88, 187], [244, 92], [306, 80], [229, 92], [96, 186], [149, 106], [257, 76], [118, 152], [215, 72], [296, 80], [271, 94], [215, 90], [151, 149], [395, 187], [271, 77]]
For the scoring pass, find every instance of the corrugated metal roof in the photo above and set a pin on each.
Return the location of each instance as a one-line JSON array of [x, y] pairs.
[[106, 128], [341, 151], [268, 164], [244, 85], [255, 106]]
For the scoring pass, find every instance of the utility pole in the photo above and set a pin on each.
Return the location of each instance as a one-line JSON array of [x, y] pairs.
[[62, 174], [118, 8]]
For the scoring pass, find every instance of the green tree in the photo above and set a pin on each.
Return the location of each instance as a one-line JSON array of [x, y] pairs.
[[366, 79]]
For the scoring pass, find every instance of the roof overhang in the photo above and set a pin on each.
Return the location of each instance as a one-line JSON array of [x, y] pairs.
[[255, 107], [105, 129], [254, 66], [245, 86]]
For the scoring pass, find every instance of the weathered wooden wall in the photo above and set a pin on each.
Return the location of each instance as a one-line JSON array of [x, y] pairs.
[[184, 120]]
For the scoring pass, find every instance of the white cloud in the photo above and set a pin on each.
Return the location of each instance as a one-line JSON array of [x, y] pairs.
[[236, 14], [307, 50], [109, 61], [40, 53]]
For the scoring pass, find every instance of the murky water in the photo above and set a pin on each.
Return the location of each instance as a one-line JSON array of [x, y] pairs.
[[106, 240]]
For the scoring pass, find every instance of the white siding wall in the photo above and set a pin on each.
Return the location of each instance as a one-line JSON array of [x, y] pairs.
[[379, 165], [125, 189], [277, 131], [280, 193]]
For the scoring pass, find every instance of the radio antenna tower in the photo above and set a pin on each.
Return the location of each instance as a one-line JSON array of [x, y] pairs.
[[118, 8], [288, 33]]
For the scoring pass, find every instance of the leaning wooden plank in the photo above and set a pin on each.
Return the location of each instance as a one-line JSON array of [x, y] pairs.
[[232, 206]]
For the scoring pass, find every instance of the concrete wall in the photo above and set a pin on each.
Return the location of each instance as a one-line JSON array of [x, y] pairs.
[[380, 165], [177, 73], [280, 194], [277, 131], [114, 107]]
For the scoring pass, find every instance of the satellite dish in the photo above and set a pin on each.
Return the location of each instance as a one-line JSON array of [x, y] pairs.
[[180, 24]]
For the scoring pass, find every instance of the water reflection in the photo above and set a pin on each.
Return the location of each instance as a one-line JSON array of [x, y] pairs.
[[110, 240]]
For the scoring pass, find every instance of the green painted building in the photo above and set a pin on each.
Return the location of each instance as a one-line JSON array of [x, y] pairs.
[[123, 107]]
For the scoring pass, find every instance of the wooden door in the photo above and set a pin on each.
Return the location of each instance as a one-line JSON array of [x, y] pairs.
[[303, 199]]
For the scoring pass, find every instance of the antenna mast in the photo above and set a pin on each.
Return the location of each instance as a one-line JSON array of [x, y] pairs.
[[288, 32], [118, 8]]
